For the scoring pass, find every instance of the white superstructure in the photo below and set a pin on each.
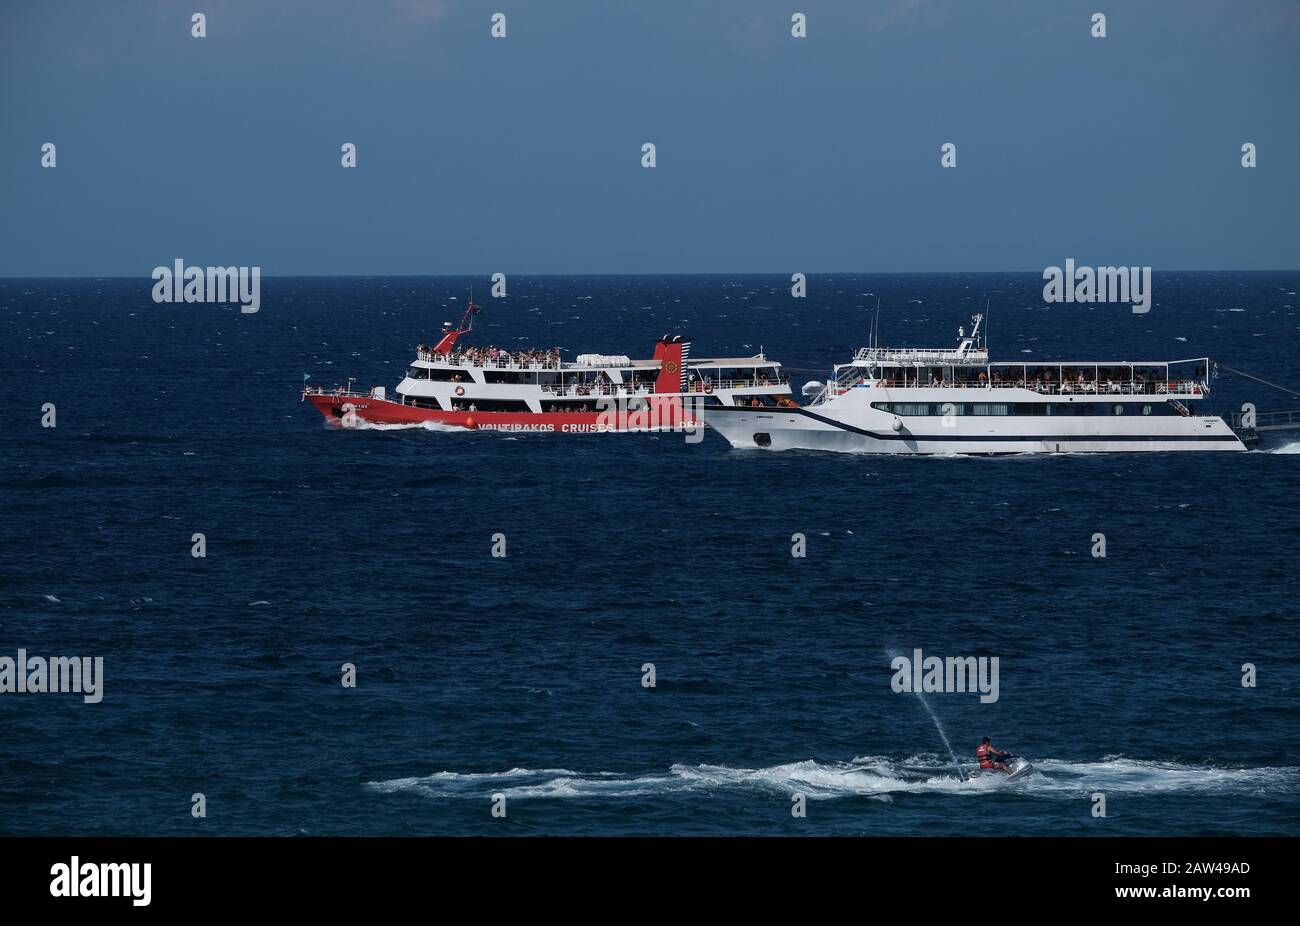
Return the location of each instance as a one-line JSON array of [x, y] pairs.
[[954, 400], [540, 382]]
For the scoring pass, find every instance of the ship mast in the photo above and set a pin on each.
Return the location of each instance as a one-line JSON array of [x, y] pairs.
[[449, 335]]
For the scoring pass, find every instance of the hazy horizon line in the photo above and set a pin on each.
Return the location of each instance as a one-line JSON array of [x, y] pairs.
[[711, 273]]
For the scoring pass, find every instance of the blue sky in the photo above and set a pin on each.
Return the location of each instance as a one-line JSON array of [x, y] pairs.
[[523, 154]]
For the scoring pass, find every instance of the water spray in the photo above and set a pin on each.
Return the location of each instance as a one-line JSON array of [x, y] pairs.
[[944, 736], [937, 725]]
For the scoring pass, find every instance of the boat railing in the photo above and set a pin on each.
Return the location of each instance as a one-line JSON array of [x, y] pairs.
[[492, 363], [610, 389], [941, 355], [699, 386], [1162, 387], [1266, 421], [338, 391], [748, 383]]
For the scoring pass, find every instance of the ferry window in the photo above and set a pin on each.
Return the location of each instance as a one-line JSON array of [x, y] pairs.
[[449, 375], [418, 373], [989, 408], [1146, 409], [910, 409], [1119, 409], [490, 405]]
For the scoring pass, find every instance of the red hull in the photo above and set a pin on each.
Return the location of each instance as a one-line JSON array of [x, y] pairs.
[[665, 414]]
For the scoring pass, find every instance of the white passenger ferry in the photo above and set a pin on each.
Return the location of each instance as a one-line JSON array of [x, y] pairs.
[[954, 400], [489, 388]]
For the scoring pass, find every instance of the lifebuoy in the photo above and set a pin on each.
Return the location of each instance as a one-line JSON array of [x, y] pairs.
[[708, 387], [459, 390]]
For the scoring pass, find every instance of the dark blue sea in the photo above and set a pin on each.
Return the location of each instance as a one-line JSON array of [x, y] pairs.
[[522, 675]]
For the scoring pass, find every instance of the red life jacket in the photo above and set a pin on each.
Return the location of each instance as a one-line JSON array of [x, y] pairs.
[[985, 754]]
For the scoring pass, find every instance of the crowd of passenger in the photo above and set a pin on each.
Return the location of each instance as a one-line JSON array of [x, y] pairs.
[[706, 383], [1043, 380], [597, 388], [493, 356]]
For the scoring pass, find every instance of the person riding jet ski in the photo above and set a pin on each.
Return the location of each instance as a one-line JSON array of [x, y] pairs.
[[991, 758]]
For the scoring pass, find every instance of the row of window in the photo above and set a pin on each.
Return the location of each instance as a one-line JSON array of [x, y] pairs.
[[462, 404], [509, 377], [439, 376], [939, 410]]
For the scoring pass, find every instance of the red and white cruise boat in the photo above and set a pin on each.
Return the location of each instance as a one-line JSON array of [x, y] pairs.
[[500, 390]]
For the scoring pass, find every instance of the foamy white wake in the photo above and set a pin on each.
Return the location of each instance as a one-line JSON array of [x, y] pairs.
[[363, 425], [1293, 447], [867, 776]]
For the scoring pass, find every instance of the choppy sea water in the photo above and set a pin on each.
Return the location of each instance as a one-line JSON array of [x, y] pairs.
[[522, 675]]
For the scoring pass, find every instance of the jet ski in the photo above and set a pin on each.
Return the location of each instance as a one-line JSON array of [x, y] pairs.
[[1017, 767]]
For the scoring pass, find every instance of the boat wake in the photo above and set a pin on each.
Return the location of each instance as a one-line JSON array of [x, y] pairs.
[[867, 776], [363, 425]]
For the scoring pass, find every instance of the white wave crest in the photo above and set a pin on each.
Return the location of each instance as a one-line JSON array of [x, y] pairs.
[[869, 776], [363, 425]]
